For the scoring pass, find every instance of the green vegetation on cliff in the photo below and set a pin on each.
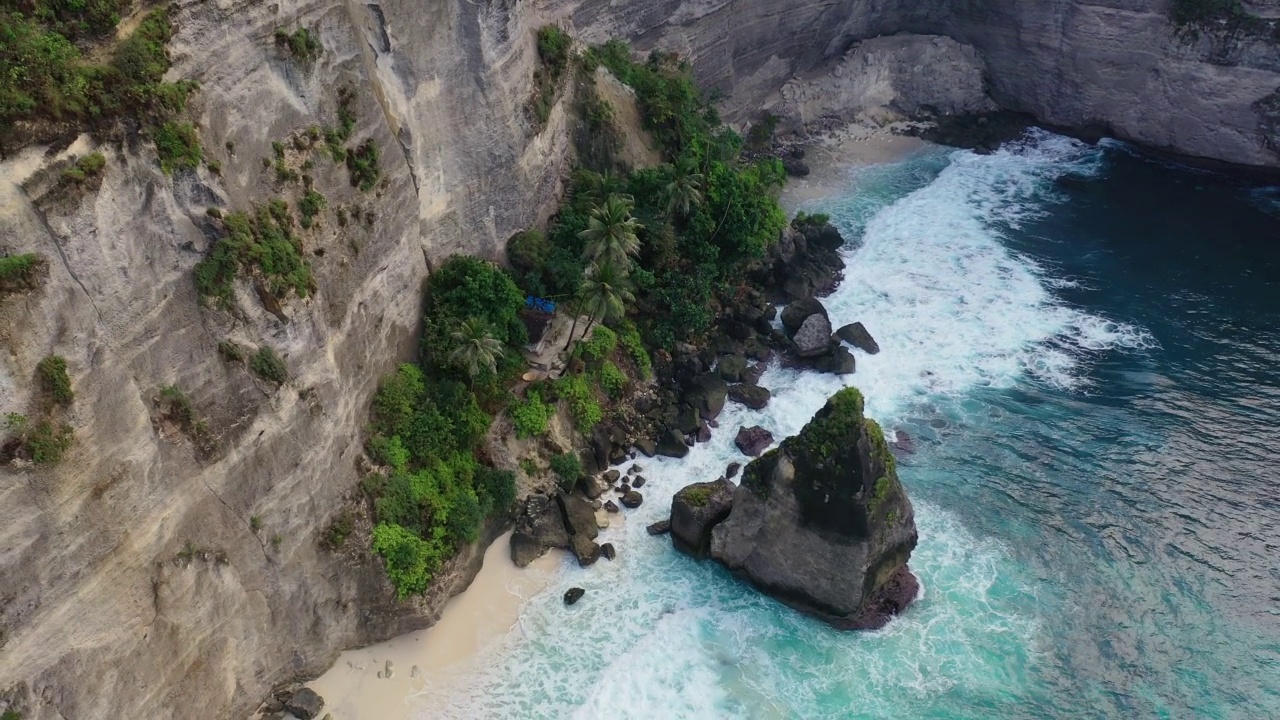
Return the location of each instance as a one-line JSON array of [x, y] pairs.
[[21, 272], [698, 221], [49, 80], [428, 421], [52, 372], [263, 244]]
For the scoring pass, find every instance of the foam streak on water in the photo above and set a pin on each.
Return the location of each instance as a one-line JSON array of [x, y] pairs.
[[658, 635]]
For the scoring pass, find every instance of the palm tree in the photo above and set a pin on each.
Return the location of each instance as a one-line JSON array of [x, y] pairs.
[[606, 292], [476, 347], [684, 192], [611, 233]]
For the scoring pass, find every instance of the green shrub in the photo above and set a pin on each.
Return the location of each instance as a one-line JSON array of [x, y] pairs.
[[602, 343], [362, 164], [9, 714], [52, 371], [177, 406], [583, 407], [553, 48], [231, 351], [462, 288], [336, 534], [568, 468], [411, 561], [178, 146], [496, 490], [612, 380], [302, 44], [310, 206], [255, 523], [20, 272], [530, 416], [265, 240], [47, 441], [267, 365], [634, 346]]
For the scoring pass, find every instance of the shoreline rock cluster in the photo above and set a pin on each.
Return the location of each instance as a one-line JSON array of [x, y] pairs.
[[820, 523]]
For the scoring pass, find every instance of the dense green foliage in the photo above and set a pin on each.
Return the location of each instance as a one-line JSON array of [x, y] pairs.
[[52, 372], [568, 468], [553, 48], [530, 416], [178, 146], [310, 206], [629, 336], [679, 237], [267, 365], [467, 289], [264, 242], [44, 76], [612, 380], [436, 495], [585, 410], [603, 342], [302, 44]]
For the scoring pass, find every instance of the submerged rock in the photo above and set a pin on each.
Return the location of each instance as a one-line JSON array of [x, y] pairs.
[[632, 499], [732, 470], [753, 396], [753, 440], [695, 510], [822, 522], [839, 362], [662, 527], [305, 704], [608, 551], [856, 335], [573, 595]]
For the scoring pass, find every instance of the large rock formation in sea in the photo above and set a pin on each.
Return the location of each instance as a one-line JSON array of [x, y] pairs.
[[821, 523], [107, 610]]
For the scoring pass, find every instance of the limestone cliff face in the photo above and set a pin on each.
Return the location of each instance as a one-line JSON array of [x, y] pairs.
[[133, 582], [1122, 68]]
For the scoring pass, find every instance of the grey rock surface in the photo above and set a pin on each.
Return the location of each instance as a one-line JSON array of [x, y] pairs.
[[856, 335], [813, 338], [695, 510], [822, 523]]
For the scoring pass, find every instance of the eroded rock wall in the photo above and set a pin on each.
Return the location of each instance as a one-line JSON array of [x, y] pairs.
[[132, 580]]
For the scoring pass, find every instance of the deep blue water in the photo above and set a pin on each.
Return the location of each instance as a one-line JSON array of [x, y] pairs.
[[1085, 346]]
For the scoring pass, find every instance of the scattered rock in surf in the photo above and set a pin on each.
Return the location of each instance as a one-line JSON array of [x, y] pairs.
[[731, 367], [634, 469], [856, 335], [752, 375], [753, 440], [611, 476], [795, 313], [695, 511], [593, 487], [813, 338], [704, 432], [647, 446], [611, 506], [638, 481], [608, 551], [632, 499], [306, 704], [622, 489], [839, 362], [672, 444], [662, 527], [573, 595], [732, 470], [753, 396]]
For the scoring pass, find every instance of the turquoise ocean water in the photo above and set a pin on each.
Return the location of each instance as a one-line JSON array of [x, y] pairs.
[[1085, 346]]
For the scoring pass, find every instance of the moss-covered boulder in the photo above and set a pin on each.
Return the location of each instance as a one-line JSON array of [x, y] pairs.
[[695, 510], [822, 522]]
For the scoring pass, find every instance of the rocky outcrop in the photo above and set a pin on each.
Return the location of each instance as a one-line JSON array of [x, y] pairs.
[[695, 510], [752, 396], [563, 521], [823, 524], [856, 335], [813, 338], [753, 440], [305, 704]]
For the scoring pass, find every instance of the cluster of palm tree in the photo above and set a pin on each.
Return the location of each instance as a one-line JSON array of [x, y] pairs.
[[611, 241], [475, 348]]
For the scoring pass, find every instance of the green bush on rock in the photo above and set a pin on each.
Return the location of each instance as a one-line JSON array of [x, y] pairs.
[[52, 371], [531, 415]]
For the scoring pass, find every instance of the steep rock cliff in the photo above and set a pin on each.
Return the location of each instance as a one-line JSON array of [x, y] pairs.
[[133, 582]]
